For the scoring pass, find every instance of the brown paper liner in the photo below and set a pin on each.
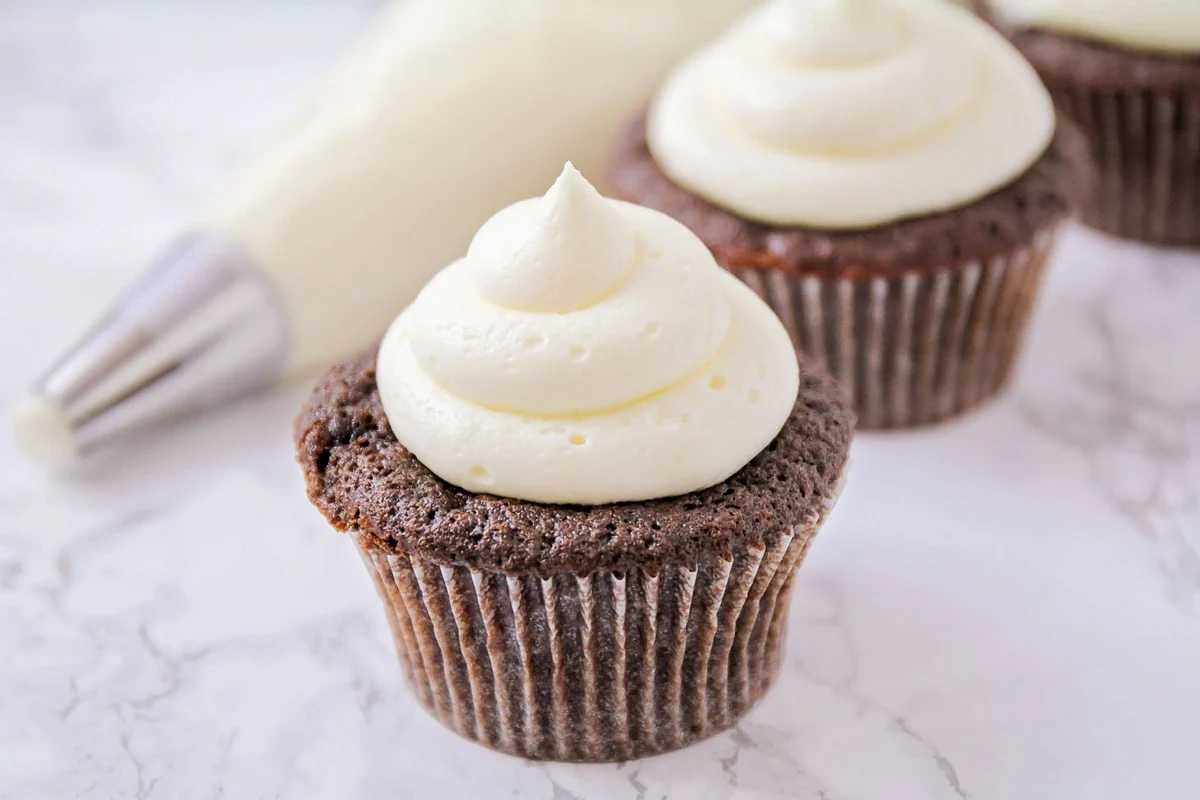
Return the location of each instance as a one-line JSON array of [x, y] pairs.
[[1146, 146], [603, 667], [918, 348]]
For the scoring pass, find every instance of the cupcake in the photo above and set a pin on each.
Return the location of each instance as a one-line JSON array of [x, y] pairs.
[[581, 469], [887, 174], [1128, 74]]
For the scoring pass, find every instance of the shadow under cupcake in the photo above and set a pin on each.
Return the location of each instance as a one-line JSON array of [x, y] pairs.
[[582, 470], [887, 174]]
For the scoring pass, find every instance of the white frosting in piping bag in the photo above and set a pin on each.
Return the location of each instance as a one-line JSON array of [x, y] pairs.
[[446, 112], [850, 113], [1165, 26], [586, 351]]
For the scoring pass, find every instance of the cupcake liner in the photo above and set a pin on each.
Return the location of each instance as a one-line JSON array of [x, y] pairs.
[[602, 667], [917, 348], [1146, 145]]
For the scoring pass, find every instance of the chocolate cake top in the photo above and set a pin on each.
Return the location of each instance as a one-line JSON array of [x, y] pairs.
[[362, 478]]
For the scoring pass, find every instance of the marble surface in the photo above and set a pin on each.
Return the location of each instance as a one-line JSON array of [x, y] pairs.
[[1004, 607]]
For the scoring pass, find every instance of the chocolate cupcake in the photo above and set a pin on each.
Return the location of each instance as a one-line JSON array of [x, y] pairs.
[[1128, 74], [887, 174], [581, 470]]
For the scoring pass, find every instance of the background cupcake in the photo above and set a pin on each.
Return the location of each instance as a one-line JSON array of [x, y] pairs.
[[886, 173], [581, 470], [1128, 73]]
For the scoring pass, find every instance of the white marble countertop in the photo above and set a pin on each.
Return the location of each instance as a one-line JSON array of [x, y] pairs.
[[1005, 607]]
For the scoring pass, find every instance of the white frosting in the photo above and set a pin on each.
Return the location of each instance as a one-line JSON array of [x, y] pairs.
[[586, 351], [850, 113], [1166, 26]]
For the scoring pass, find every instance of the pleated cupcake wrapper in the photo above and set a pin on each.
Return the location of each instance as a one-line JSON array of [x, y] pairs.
[[602, 667], [915, 349], [1147, 149]]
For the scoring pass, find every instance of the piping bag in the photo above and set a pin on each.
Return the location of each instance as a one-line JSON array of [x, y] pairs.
[[446, 111]]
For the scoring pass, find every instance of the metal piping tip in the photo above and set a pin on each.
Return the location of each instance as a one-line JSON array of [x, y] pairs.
[[203, 326]]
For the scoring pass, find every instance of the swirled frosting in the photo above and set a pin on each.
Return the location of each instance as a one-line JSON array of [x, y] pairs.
[[1163, 26], [586, 351], [848, 114]]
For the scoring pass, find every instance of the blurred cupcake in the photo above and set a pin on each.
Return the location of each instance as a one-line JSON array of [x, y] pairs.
[[581, 470], [1128, 73], [885, 173]]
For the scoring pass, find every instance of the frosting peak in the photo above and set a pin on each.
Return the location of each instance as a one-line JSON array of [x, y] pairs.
[[824, 33], [850, 113], [586, 351], [560, 252]]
